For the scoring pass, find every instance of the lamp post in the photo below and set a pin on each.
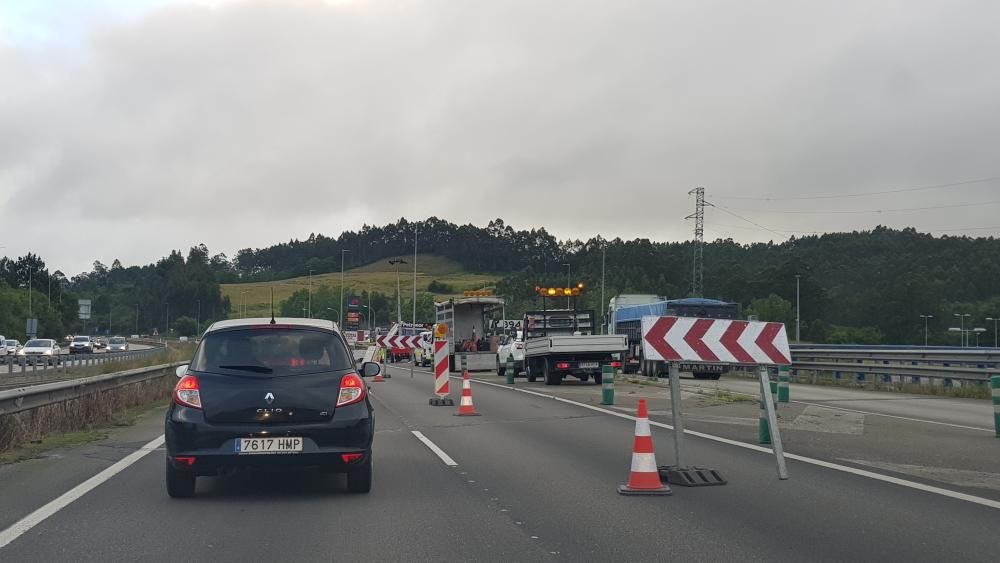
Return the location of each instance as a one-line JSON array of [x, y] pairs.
[[925, 318], [977, 331], [413, 355], [243, 303], [310, 293], [798, 309], [332, 309], [604, 320], [994, 329], [399, 303], [343, 252], [569, 269], [961, 327], [137, 318]]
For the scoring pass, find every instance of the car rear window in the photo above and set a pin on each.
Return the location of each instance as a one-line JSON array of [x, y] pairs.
[[118, 341], [38, 344], [12, 343], [82, 339], [271, 352]]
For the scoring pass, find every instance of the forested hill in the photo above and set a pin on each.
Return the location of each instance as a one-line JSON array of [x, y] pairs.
[[865, 287], [883, 279]]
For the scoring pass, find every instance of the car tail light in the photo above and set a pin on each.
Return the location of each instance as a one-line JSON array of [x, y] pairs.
[[562, 365], [186, 392], [616, 364], [186, 461], [352, 390], [351, 458]]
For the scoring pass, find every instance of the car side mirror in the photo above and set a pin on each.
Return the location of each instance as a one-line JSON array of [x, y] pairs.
[[370, 369], [182, 370]]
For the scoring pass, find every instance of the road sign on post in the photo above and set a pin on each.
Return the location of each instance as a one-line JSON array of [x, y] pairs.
[[689, 339]]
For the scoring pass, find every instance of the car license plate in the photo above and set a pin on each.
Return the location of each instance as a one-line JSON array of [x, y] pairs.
[[284, 445], [589, 365]]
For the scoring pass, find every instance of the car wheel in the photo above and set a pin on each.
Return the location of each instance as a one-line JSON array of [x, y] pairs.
[[530, 373], [359, 479], [180, 484]]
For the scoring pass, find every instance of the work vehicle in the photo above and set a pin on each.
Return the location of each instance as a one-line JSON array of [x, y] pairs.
[[44, 349], [100, 343], [11, 347], [425, 354], [468, 320], [117, 344], [511, 345], [625, 314], [270, 393], [81, 345], [558, 343]]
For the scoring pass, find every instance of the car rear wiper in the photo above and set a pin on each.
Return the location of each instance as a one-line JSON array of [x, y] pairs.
[[249, 367]]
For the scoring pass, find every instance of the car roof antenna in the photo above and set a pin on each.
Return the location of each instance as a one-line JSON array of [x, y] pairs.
[[272, 305]]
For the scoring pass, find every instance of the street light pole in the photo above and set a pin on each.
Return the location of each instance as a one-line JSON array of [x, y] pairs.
[[197, 326], [413, 354], [311, 294], [925, 318], [994, 329], [569, 269], [965, 337], [798, 309], [343, 252], [604, 320], [137, 318]]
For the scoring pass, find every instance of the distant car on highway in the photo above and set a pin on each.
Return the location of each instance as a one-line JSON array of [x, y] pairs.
[[270, 393], [11, 347], [81, 345], [134, 336], [44, 348], [100, 343], [117, 344]]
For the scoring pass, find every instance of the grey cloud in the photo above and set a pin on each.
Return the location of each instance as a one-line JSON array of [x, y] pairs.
[[255, 122]]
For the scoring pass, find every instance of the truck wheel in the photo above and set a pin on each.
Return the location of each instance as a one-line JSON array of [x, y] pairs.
[[530, 373], [598, 378], [583, 378], [551, 378], [500, 371]]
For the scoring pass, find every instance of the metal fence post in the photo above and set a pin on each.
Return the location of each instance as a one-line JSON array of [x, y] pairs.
[[783, 390], [607, 385]]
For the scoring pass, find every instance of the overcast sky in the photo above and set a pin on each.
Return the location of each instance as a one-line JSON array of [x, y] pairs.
[[131, 127]]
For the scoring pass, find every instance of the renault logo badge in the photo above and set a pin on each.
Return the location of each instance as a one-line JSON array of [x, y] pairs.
[[269, 398]]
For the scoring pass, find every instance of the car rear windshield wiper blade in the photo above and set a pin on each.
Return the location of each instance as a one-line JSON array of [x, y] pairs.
[[249, 367]]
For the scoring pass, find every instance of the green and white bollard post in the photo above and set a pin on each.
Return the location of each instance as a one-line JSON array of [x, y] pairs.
[[783, 390], [607, 385], [774, 388], [465, 363], [510, 369], [995, 385], [763, 428]]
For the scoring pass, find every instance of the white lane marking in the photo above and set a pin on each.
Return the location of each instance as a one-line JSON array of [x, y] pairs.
[[434, 448], [65, 499], [812, 461]]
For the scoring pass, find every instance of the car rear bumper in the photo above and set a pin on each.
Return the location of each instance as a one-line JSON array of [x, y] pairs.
[[214, 445]]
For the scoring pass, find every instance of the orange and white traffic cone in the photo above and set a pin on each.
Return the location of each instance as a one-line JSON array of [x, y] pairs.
[[644, 478], [465, 407]]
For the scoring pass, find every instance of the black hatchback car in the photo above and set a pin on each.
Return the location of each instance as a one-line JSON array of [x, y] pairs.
[[270, 393]]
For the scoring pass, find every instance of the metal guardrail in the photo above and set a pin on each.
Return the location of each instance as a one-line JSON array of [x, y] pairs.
[[64, 362], [911, 364], [35, 396]]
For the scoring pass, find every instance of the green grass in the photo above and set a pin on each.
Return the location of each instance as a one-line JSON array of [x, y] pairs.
[[378, 276]]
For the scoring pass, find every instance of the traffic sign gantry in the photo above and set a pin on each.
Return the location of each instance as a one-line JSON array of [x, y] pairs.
[[715, 340]]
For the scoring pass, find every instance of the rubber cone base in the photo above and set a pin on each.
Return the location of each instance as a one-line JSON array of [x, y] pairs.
[[466, 414], [691, 476], [628, 491], [441, 402]]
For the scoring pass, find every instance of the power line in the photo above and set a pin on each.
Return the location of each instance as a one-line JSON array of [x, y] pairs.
[[741, 218], [865, 194], [861, 211]]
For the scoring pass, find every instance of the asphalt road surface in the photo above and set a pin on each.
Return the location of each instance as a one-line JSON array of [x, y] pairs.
[[946, 410], [534, 479]]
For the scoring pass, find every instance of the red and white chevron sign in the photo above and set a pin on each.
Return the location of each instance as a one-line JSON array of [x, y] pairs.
[[394, 342], [714, 340]]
